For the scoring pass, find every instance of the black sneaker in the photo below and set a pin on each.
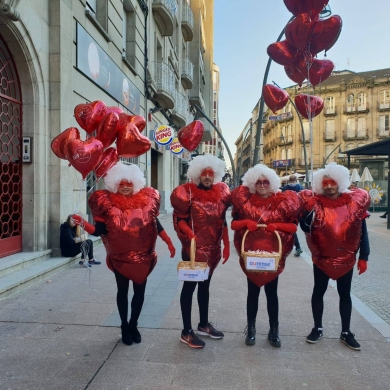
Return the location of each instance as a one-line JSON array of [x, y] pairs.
[[192, 340], [349, 340], [314, 336], [135, 334], [298, 252], [210, 331], [250, 333]]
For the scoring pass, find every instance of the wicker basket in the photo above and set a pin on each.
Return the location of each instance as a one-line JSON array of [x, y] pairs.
[[196, 267], [272, 257]]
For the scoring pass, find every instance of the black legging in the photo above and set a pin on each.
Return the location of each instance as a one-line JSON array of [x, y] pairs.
[[74, 250], [343, 288], [122, 301], [203, 302], [252, 302]]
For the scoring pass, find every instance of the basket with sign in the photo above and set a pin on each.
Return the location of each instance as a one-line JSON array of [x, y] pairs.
[[192, 271], [263, 261]]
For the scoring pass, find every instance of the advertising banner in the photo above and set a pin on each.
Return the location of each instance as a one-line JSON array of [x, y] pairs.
[[163, 135], [175, 147]]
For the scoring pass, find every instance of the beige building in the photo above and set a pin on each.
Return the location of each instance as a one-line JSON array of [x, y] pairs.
[[152, 58]]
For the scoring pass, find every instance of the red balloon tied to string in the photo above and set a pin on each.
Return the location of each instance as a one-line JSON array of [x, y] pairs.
[[282, 52], [294, 74], [109, 159], [320, 70], [298, 31], [115, 109], [84, 156], [137, 120], [130, 142], [325, 33], [303, 63], [274, 97], [191, 135], [106, 132], [308, 106], [89, 115], [59, 142], [311, 7]]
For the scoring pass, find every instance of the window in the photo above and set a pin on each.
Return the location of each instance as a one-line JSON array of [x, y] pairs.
[[289, 133], [384, 99], [362, 101], [306, 129], [329, 105], [286, 108], [328, 156], [361, 129], [384, 125], [329, 130], [351, 103], [303, 155], [97, 12], [289, 154], [128, 33], [283, 154], [350, 127], [91, 5], [284, 133]]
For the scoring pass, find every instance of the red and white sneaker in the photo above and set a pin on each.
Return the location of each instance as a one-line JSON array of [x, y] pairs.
[[192, 340], [210, 331]]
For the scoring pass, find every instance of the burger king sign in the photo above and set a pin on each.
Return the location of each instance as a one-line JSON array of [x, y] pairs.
[[163, 135], [175, 147]]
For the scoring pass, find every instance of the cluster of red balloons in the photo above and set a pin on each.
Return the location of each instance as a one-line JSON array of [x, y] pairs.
[[111, 124], [306, 36]]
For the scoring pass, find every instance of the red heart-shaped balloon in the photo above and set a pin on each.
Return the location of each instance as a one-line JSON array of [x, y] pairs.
[[274, 97], [294, 74], [282, 52], [298, 31], [115, 109], [109, 159], [308, 105], [106, 132], [89, 115], [311, 7], [59, 142], [137, 120], [84, 156], [191, 135], [320, 70], [303, 63], [325, 34], [131, 143]]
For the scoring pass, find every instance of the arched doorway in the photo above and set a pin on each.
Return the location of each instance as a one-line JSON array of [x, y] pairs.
[[10, 155]]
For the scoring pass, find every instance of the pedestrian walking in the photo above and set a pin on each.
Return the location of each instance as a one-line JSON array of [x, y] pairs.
[[334, 223], [199, 209], [259, 201], [125, 217]]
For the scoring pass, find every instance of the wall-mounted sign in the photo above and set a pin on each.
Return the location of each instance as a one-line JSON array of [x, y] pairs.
[[95, 63], [282, 163], [163, 135], [175, 147], [280, 117]]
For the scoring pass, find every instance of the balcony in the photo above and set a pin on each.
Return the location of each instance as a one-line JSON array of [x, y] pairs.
[[187, 23], [383, 107], [187, 73], [162, 80], [164, 14], [179, 112], [330, 111], [284, 141], [307, 138], [352, 134], [197, 99], [329, 136], [301, 161], [285, 117], [383, 133], [348, 110]]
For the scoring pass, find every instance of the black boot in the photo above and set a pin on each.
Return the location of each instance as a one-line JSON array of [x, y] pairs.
[[135, 334], [250, 332], [273, 334], [126, 336]]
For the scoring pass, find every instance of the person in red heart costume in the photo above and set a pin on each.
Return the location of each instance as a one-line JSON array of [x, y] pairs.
[[199, 210], [125, 217], [259, 201], [334, 223]]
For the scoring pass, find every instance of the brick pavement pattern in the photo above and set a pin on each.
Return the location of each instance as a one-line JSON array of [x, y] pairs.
[[62, 333]]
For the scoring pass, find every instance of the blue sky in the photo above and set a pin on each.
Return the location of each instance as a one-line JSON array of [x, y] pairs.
[[244, 29]]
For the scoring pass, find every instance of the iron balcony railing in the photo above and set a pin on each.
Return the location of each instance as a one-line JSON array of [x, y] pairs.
[[187, 68], [187, 16], [163, 77], [170, 5], [180, 104]]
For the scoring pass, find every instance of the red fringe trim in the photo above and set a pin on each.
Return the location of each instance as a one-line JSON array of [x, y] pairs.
[[272, 200], [213, 195], [137, 201], [342, 200]]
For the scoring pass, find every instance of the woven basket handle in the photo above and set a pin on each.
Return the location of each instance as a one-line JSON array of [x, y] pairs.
[[192, 253], [262, 226]]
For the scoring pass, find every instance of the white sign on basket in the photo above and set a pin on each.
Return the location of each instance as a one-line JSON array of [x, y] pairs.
[[260, 263], [193, 275]]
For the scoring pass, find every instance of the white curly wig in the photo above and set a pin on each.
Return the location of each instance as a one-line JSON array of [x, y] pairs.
[[199, 163], [121, 171], [338, 173], [253, 174]]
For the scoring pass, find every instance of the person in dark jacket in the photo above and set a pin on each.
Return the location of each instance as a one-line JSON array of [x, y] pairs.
[[293, 185], [71, 244]]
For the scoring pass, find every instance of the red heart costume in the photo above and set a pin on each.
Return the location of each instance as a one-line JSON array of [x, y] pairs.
[[206, 210], [280, 207], [336, 230], [132, 230]]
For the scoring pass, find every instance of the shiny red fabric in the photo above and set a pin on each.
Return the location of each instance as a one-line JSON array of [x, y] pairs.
[[280, 207], [205, 211], [132, 230], [336, 229]]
